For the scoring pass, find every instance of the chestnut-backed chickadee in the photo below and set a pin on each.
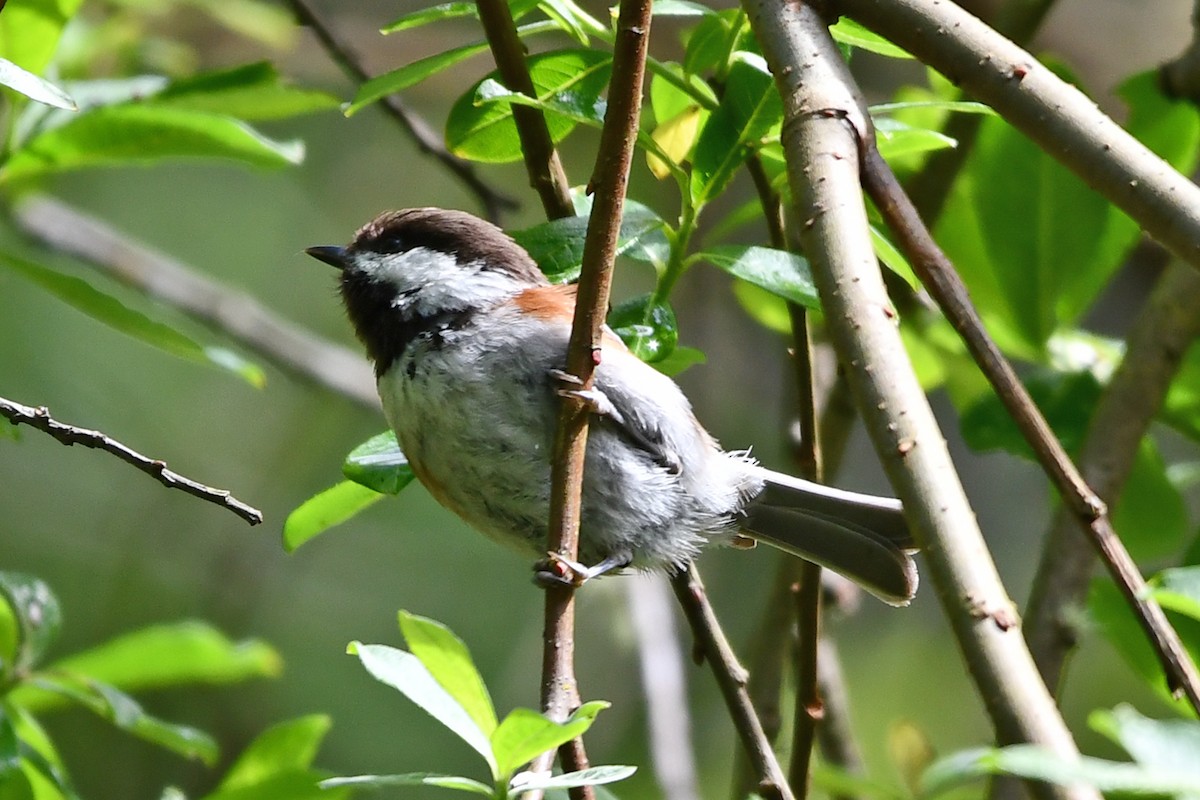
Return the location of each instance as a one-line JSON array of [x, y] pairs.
[[468, 339]]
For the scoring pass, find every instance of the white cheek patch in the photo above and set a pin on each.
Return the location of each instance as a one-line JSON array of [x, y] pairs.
[[430, 281]]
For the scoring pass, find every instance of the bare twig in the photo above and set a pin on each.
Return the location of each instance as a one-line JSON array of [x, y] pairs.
[[1166, 325], [1056, 116], [170, 281], [609, 181], [825, 122], [427, 141], [731, 679], [40, 419], [546, 173], [946, 287]]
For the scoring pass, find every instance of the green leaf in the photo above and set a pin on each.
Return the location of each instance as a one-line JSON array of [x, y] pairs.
[[525, 734], [648, 328], [1150, 514], [33, 87], [30, 29], [895, 139], [960, 106], [714, 39], [379, 465], [1033, 243], [680, 359], [265, 22], [679, 8], [159, 656], [487, 133], [1066, 400], [557, 246], [290, 785], [127, 714], [410, 779], [1170, 745], [750, 108], [324, 510], [837, 782], [450, 664], [592, 776], [1178, 589], [1181, 408], [765, 308], [42, 763], [104, 308], [892, 258], [784, 274], [144, 133], [405, 672], [284, 747], [1037, 763], [38, 618], [847, 31], [402, 78], [424, 16], [248, 92]]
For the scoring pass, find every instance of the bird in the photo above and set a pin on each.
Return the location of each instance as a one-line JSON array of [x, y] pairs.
[[469, 343]]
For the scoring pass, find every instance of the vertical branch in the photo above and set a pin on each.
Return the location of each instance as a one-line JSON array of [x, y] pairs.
[[824, 124], [609, 180], [546, 173]]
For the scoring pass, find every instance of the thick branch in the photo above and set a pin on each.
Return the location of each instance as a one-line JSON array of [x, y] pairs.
[[1055, 115], [1166, 325], [427, 141], [546, 173], [943, 283], [170, 281], [70, 435], [825, 120]]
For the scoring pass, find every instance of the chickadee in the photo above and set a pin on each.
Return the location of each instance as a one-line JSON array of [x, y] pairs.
[[468, 339]]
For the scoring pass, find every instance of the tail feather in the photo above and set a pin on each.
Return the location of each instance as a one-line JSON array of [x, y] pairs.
[[860, 536]]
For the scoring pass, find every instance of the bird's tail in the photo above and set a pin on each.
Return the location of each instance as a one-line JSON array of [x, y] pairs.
[[860, 536]]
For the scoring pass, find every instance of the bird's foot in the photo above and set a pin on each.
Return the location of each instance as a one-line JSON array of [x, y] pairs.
[[594, 400], [556, 570]]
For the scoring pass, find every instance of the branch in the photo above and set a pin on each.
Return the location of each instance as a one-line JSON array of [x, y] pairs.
[[427, 141], [1089, 511], [712, 645], [70, 435], [240, 316], [546, 173], [1055, 115], [1166, 325], [609, 181], [825, 121]]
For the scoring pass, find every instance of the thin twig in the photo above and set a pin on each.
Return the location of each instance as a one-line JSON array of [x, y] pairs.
[[731, 679], [825, 121], [168, 280], [947, 289], [610, 180], [1059, 118], [1166, 325], [427, 141], [69, 435], [546, 173]]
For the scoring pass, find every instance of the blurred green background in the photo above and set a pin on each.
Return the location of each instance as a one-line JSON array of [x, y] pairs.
[[122, 552]]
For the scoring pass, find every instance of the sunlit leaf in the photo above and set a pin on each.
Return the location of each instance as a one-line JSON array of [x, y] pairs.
[[284, 747], [249, 92], [1166, 744], [593, 776], [410, 779], [847, 31], [324, 510], [410, 74], [405, 672], [450, 664], [424, 16], [29, 30], [525, 734], [379, 465], [784, 274], [648, 328], [895, 139], [33, 87], [1178, 589], [557, 246]]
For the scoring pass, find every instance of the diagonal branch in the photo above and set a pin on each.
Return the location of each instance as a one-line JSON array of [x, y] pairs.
[[422, 134], [1055, 115], [1166, 325], [1088, 510], [824, 123], [69, 435], [234, 313]]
